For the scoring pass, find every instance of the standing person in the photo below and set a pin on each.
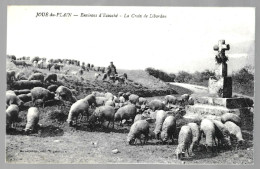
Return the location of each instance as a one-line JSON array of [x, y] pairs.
[[111, 70]]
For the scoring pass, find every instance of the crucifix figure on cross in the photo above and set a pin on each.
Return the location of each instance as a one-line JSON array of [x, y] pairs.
[[221, 58]]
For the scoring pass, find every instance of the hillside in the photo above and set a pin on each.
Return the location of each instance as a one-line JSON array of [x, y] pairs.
[[139, 82]]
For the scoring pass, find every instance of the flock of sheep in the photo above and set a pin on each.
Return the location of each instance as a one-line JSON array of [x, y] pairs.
[[166, 117]]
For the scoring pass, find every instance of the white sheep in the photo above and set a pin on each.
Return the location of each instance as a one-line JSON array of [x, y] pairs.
[[122, 99], [140, 127], [37, 76], [109, 96], [222, 133], [169, 99], [168, 128], [160, 117], [65, 94], [125, 113], [156, 105], [41, 93], [207, 128], [11, 98], [105, 113], [142, 101], [79, 107], [133, 98], [184, 141], [11, 115], [33, 116], [195, 131], [231, 117], [234, 130], [110, 103], [91, 99], [100, 101], [96, 75]]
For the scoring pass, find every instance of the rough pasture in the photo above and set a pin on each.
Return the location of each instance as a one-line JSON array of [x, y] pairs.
[[56, 142]]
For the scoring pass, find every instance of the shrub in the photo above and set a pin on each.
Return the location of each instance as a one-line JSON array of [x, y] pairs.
[[160, 74]]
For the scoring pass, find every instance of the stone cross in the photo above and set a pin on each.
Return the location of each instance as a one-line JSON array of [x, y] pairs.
[[221, 48]]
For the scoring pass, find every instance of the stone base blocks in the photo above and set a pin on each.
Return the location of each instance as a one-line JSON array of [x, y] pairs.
[[213, 108]]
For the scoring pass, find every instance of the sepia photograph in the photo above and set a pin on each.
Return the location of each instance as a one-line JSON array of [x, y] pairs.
[[130, 85]]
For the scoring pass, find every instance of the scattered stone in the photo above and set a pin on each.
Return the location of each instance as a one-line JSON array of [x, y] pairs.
[[115, 151]]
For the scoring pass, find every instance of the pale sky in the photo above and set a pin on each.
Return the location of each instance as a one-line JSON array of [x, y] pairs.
[[183, 40]]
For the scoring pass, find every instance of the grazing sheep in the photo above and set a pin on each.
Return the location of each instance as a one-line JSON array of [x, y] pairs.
[[79, 107], [91, 99], [11, 115], [110, 103], [169, 99], [183, 120], [156, 105], [109, 96], [142, 101], [141, 117], [126, 112], [195, 131], [231, 117], [207, 128], [26, 84], [24, 91], [49, 65], [98, 94], [52, 88], [168, 128], [10, 76], [116, 99], [222, 134], [183, 99], [33, 116], [57, 67], [160, 117], [133, 98], [37, 76], [51, 78], [11, 98], [137, 129], [96, 75], [41, 93], [65, 94], [122, 99], [126, 95], [234, 130], [184, 141], [105, 113], [25, 97], [100, 101], [19, 63]]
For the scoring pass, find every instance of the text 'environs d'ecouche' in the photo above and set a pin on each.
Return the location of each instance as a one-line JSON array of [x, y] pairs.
[[98, 15]]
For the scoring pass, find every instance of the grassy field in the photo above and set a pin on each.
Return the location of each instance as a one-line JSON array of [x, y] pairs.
[[56, 142]]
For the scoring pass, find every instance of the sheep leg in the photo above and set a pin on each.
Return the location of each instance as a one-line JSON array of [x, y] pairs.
[[113, 124], [191, 148]]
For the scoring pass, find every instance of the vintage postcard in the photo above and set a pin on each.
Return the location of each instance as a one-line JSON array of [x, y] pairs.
[[130, 85]]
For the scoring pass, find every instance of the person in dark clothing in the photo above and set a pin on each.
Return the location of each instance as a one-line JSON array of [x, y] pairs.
[[111, 70]]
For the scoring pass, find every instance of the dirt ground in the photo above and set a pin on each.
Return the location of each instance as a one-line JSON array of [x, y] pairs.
[[56, 142]]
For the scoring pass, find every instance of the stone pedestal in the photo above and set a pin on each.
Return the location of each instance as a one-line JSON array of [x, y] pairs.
[[221, 87], [213, 108]]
